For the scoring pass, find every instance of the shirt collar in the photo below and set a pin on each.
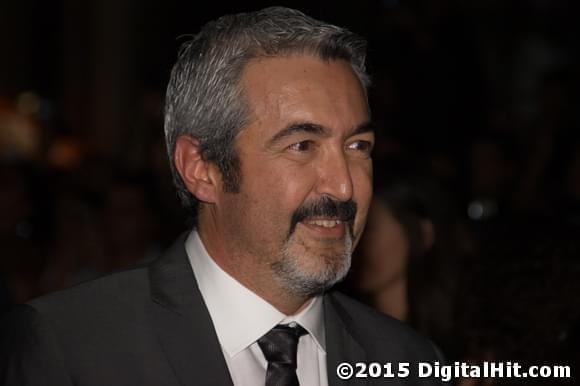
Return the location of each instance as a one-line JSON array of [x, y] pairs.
[[241, 317]]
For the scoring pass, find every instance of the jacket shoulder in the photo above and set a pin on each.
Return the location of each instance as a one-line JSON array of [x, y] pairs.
[[110, 308], [378, 332], [29, 354], [120, 289]]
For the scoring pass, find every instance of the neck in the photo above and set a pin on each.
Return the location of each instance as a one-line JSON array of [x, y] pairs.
[[392, 299]]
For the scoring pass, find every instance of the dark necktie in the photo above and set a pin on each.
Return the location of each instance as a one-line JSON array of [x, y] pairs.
[[280, 346]]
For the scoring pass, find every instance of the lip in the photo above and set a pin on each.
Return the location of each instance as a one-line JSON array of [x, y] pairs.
[[337, 231]]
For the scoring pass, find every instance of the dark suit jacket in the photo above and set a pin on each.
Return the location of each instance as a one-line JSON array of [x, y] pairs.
[[149, 326]]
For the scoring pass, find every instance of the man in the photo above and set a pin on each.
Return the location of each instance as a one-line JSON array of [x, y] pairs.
[[268, 133]]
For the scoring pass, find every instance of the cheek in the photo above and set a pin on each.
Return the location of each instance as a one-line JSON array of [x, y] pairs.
[[275, 190]]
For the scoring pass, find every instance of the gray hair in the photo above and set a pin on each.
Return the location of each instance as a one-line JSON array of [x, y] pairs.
[[204, 98]]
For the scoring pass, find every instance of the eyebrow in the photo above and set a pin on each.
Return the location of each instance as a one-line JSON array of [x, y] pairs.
[[313, 128], [294, 128], [367, 127]]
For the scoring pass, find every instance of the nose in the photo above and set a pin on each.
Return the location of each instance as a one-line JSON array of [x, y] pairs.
[[334, 177]]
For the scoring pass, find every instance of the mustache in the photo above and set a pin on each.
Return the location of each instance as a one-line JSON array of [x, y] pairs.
[[344, 211]]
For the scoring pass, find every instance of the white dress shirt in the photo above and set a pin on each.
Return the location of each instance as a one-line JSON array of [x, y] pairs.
[[240, 318]]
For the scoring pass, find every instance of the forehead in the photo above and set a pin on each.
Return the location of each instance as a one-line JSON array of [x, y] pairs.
[[283, 90]]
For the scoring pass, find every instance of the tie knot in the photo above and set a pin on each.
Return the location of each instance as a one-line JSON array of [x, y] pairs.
[[280, 344]]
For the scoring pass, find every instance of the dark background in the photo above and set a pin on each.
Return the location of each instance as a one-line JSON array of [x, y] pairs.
[[478, 97]]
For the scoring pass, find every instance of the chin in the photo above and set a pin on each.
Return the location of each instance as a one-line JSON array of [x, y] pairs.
[[297, 274]]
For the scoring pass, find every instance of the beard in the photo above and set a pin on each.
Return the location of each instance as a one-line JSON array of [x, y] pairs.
[[330, 268], [306, 271]]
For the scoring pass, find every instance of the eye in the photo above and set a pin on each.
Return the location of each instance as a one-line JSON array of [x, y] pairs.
[[301, 146], [361, 146]]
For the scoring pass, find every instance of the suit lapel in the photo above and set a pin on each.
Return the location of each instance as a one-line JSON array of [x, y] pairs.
[[182, 322], [340, 344]]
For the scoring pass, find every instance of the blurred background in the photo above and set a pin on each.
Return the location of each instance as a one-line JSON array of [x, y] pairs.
[[473, 237]]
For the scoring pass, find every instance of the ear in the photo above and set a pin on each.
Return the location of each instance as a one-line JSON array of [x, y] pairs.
[[197, 174]]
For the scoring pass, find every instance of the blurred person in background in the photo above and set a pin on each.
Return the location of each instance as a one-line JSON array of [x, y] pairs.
[[406, 263]]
